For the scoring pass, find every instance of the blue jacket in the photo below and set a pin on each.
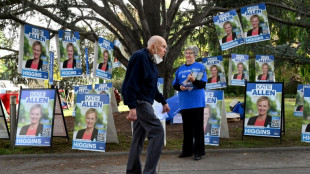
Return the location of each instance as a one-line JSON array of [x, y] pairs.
[[140, 82]]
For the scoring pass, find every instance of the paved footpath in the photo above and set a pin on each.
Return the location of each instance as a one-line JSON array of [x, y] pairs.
[[222, 161]]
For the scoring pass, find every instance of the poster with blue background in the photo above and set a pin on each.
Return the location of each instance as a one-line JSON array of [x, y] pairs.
[[264, 68], [85, 89], [90, 125], [35, 118], [228, 29], [299, 104], [212, 116], [238, 69], [263, 109], [103, 65], [34, 62], [255, 23], [215, 72], [305, 130], [69, 53]]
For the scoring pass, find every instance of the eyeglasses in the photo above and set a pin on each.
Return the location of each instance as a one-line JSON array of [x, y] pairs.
[[189, 53]]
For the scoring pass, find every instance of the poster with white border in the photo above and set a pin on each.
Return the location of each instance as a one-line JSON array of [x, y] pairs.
[[228, 29], [238, 69], [305, 130], [255, 23], [299, 104], [263, 109], [103, 65], [215, 72], [90, 125], [264, 68]]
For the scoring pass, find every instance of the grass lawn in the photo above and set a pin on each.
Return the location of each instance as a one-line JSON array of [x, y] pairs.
[[291, 137]]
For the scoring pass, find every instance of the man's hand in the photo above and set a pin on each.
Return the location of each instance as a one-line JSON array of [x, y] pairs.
[[166, 108], [132, 116]]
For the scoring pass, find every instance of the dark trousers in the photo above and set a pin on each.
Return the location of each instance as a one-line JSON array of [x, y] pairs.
[[193, 135], [146, 123]]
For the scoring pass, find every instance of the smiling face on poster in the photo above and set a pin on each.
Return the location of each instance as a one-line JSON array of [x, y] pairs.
[[263, 109], [215, 72], [105, 58], [299, 105], [70, 53], [228, 29], [36, 110], [255, 23], [239, 69], [264, 67], [90, 126], [36, 53]]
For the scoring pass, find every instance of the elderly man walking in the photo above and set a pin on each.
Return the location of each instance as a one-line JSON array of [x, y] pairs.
[[139, 90]]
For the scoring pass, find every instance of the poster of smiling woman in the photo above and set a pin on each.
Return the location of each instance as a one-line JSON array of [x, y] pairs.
[[103, 63], [263, 109], [215, 72], [34, 52], [238, 69], [90, 125], [255, 23], [69, 53], [305, 131], [264, 67], [228, 29], [35, 117]]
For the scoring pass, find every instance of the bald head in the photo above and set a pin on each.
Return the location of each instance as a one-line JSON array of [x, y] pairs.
[[157, 45]]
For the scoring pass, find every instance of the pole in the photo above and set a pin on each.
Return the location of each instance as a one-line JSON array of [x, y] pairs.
[[12, 119]]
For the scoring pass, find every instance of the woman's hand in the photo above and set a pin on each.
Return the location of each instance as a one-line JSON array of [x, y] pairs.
[[183, 88]]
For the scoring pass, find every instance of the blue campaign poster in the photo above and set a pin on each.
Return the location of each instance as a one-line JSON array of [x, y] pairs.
[[215, 72], [305, 131], [228, 29], [86, 89], [91, 119], [264, 67], [212, 116], [35, 118], [238, 69], [299, 105], [104, 88], [34, 63], [263, 109], [104, 64], [70, 53], [255, 23]]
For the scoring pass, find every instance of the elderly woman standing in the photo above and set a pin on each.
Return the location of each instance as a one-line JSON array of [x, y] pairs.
[[190, 80]]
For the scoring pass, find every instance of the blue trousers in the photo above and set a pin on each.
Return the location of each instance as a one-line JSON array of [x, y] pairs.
[[146, 124]]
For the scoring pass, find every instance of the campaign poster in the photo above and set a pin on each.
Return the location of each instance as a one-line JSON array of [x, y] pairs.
[[212, 116], [255, 23], [118, 44], [63, 99], [215, 72], [238, 69], [4, 131], [90, 126], [34, 62], [104, 88], [59, 128], [299, 105], [86, 89], [264, 68], [69, 53], [263, 109], [35, 117], [228, 29], [103, 66], [305, 131]]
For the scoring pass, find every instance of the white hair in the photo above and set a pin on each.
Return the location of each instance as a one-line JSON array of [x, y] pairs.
[[194, 48]]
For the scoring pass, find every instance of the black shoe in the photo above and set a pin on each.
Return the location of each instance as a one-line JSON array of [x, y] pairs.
[[182, 155], [197, 157]]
